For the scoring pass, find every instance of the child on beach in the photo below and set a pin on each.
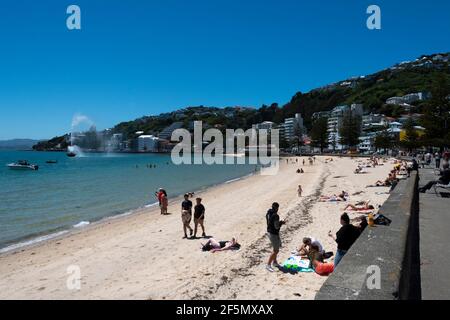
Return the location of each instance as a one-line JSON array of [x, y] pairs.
[[199, 217], [300, 190]]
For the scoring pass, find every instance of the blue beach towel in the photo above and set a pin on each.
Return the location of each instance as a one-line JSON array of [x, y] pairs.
[[296, 264]]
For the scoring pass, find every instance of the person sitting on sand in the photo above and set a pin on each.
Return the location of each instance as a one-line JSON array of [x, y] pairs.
[[317, 262], [307, 245], [217, 246], [365, 206]]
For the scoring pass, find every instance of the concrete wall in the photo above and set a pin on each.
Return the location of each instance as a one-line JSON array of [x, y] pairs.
[[394, 249]]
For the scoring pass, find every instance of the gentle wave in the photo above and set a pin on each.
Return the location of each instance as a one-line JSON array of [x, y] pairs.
[[33, 241]]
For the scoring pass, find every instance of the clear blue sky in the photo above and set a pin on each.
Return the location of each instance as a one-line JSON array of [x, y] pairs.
[[136, 57]]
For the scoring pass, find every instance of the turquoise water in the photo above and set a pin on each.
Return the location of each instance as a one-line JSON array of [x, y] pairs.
[[86, 189]]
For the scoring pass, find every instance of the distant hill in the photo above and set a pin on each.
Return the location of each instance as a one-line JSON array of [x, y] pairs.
[[370, 90], [17, 144]]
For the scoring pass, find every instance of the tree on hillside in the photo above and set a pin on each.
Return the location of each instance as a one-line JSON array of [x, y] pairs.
[[436, 118], [350, 130], [319, 134]]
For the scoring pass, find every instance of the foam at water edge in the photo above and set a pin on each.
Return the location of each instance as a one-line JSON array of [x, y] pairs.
[[33, 241], [82, 224]]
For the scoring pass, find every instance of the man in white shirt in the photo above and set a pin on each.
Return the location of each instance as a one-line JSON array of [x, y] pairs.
[[307, 243]]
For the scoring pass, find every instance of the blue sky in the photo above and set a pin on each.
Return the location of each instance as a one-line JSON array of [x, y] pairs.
[[135, 57]]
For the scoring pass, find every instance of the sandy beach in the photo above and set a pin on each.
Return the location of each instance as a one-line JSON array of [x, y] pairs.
[[143, 256]]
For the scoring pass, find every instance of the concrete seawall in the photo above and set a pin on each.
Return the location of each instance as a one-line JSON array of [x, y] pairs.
[[393, 249]]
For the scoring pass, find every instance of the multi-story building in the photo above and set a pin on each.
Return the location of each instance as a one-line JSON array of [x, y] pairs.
[[293, 127], [147, 143], [166, 134], [409, 98], [335, 123], [116, 142]]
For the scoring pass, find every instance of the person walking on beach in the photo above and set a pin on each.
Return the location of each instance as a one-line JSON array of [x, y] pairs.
[[273, 232], [199, 217], [186, 215], [344, 238]]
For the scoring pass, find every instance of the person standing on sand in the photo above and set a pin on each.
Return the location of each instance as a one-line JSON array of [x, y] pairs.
[[345, 238], [159, 194], [164, 203], [186, 215], [300, 190], [199, 217], [273, 232]]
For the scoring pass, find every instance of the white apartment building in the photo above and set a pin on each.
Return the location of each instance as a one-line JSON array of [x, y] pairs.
[[335, 123], [293, 127]]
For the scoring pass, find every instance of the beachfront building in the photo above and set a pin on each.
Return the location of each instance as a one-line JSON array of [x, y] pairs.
[[116, 143], [335, 123], [166, 134], [293, 127], [147, 143]]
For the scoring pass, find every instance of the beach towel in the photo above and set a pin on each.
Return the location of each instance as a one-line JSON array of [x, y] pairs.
[[296, 264]]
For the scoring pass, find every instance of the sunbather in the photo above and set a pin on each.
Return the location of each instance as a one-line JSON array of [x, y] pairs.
[[216, 246], [359, 206], [317, 262]]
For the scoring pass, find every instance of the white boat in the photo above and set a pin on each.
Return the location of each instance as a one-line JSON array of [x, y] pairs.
[[22, 165]]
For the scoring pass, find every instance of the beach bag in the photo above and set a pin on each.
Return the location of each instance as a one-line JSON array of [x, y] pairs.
[[382, 220]]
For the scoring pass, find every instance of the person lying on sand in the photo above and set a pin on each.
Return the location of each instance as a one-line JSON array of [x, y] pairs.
[[333, 198], [217, 246], [359, 206], [317, 262]]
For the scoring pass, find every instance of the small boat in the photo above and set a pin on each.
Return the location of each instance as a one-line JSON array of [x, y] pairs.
[[22, 165], [51, 161], [71, 154]]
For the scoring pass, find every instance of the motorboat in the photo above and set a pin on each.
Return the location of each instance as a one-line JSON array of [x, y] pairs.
[[51, 161], [71, 154], [22, 165]]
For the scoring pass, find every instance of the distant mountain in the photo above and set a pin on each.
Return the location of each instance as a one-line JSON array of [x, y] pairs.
[[17, 144]]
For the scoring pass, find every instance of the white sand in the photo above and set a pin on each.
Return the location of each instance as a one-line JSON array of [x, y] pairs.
[[143, 256]]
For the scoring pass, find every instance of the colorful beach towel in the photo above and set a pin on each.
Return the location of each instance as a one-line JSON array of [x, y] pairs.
[[296, 264]]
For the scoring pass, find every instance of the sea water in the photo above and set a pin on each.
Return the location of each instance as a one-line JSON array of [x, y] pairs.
[[78, 191]]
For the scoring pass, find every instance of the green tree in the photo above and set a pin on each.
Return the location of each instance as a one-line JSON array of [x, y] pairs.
[[437, 114], [383, 141], [319, 134], [350, 130], [410, 141]]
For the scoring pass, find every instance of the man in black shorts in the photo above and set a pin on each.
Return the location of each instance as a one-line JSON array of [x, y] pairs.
[[199, 217], [273, 232], [186, 215]]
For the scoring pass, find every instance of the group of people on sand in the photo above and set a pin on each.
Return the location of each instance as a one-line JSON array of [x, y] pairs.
[[311, 248]]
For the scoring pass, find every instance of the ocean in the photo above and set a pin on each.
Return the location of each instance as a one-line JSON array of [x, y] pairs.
[[36, 205]]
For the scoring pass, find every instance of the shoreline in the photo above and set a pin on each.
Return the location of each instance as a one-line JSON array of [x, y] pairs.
[[142, 256], [34, 241]]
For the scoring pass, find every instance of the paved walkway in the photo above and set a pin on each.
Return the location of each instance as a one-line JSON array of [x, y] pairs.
[[434, 240]]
